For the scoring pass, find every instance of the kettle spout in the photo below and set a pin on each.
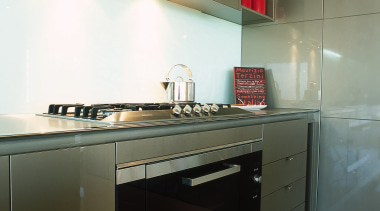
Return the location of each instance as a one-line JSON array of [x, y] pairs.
[[165, 85]]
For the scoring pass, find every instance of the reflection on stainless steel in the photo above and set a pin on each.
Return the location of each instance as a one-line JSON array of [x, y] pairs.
[[187, 110], [130, 174], [138, 116], [214, 108], [157, 116], [197, 109], [288, 187], [132, 171], [350, 165], [206, 109], [232, 169], [256, 178], [180, 164], [108, 112], [256, 146], [177, 110], [289, 158]]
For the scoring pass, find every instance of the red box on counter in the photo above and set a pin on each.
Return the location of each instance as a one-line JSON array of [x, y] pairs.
[[250, 85]]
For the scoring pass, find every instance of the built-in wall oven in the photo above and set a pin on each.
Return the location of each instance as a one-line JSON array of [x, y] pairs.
[[222, 178]]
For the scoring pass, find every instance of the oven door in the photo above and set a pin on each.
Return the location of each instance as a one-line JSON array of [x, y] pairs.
[[221, 180], [130, 189]]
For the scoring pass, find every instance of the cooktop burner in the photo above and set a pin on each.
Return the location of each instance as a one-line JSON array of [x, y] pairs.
[[121, 113]]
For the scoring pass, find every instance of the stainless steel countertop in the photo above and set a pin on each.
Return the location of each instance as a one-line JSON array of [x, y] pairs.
[[23, 133], [30, 124]]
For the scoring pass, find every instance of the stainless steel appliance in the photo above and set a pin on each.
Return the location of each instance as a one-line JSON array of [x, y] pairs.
[[179, 91], [220, 173], [121, 113], [222, 178]]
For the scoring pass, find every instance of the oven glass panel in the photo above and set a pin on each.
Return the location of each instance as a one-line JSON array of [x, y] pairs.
[[131, 196], [236, 191]]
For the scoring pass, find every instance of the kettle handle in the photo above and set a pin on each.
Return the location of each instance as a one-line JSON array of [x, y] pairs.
[[183, 66]]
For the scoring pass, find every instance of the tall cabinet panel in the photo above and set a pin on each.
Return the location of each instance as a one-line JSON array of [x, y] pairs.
[[75, 179], [4, 183]]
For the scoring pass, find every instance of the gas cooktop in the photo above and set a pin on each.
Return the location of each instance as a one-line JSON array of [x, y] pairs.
[[122, 113]]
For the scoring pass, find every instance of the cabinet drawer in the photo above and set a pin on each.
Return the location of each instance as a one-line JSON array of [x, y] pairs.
[[283, 139], [229, 136], [280, 173], [286, 198], [134, 150], [300, 207], [140, 149]]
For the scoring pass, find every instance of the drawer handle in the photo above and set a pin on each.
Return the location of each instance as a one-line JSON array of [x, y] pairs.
[[288, 187], [209, 177], [289, 158]]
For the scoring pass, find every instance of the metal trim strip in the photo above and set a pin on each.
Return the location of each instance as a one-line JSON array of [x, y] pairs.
[[171, 166], [130, 174], [256, 146]]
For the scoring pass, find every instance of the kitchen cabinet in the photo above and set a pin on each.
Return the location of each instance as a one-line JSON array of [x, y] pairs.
[[4, 183], [44, 176], [75, 179], [230, 10], [288, 198], [284, 165]]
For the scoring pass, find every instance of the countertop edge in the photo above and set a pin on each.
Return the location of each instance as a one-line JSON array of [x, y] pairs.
[[259, 113], [95, 136]]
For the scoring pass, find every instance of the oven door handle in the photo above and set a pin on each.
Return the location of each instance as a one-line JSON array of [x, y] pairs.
[[209, 177]]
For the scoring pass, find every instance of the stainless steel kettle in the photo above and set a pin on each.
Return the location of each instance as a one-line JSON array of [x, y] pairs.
[[179, 91]]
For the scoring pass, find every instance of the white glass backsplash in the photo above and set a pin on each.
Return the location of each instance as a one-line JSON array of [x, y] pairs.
[[101, 51]]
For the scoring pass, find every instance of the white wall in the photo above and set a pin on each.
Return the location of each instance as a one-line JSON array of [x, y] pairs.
[[102, 51]]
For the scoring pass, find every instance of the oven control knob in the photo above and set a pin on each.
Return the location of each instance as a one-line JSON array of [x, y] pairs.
[[187, 110], [206, 109], [214, 108], [177, 110], [256, 178], [197, 109]]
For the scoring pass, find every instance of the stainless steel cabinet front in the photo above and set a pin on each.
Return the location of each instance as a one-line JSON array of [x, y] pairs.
[[135, 150], [300, 207], [282, 172], [229, 135], [4, 184], [76, 179], [283, 139], [287, 198], [284, 164]]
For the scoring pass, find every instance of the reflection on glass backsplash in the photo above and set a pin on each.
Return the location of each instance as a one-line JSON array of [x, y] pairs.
[[291, 55], [298, 73], [349, 175], [350, 61]]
